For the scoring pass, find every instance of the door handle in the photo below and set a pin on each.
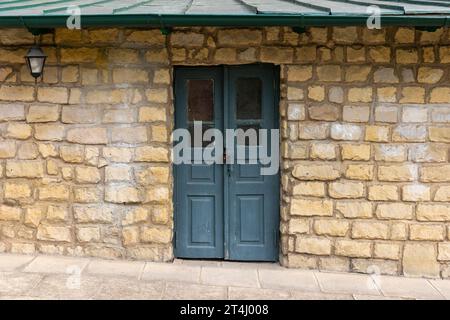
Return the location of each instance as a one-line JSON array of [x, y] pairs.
[[227, 163]]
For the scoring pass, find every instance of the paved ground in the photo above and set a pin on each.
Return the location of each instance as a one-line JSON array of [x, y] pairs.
[[48, 277]]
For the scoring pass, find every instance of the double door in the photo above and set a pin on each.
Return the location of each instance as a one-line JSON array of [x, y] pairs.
[[227, 210]]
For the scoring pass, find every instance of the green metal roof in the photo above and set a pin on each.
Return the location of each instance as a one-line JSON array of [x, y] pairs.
[[148, 13]]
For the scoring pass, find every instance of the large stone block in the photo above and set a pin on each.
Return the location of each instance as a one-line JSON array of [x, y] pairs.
[[439, 173], [87, 175], [16, 93], [21, 131], [353, 248], [56, 192], [53, 95], [433, 212], [420, 260], [49, 132], [156, 235], [54, 233], [323, 172], [132, 135], [87, 135], [416, 192], [7, 149], [122, 194], [239, 37], [314, 189], [42, 113], [72, 153], [424, 232], [355, 209], [333, 228], [383, 193], [17, 190], [93, 214], [356, 152], [392, 211], [11, 112], [152, 175], [405, 172], [152, 154], [118, 154], [24, 169], [346, 132], [88, 234], [130, 75], [343, 190], [316, 246], [79, 55], [304, 207], [8, 213], [299, 73], [370, 230], [359, 172], [73, 114]]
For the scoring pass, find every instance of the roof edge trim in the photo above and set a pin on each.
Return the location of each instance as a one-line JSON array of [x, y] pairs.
[[259, 20]]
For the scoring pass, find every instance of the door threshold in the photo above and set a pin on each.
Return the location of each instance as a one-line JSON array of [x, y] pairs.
[[226, 263]]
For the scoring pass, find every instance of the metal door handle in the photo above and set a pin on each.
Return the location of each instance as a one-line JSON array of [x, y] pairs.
[[225, 162]]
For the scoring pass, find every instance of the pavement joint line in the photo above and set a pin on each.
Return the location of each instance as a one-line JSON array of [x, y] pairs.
[[318, 282], [21, 268], [258, 279], [200, 275], [42, 277], [85, 266], [376, 285], [141, 273], [436, 288], [164, 290]]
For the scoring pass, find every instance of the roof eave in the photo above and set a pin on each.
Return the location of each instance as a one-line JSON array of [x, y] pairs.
[[155, 20]]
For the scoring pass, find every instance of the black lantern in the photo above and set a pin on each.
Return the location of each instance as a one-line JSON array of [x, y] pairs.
[[36, 61]]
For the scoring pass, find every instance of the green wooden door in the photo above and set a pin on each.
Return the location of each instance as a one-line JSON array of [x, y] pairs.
[[227, 211]]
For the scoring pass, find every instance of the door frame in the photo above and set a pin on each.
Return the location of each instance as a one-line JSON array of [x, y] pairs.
[[276, 97]]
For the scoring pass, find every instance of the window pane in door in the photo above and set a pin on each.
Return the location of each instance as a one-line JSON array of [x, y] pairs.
[[248, 100], [200, 100]]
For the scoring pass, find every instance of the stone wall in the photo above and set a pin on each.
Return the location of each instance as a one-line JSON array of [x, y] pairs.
[[365, 143], [85, 154]]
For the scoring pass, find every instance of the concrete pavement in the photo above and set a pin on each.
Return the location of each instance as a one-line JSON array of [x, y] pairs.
[[54, 277]]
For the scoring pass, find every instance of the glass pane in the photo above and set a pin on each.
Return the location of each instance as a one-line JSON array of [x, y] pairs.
[[248, 98], [200, 100]]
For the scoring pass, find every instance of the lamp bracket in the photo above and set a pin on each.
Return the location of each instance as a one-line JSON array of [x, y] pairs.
[[166, 30]]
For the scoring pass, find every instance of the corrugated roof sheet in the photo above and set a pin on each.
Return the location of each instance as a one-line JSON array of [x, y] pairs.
[[221, 7]]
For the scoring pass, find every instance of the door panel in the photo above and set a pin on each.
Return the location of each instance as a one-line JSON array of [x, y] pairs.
[[202, 218], [250, 219], [198, 200], [253, 198], [227, 211]]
